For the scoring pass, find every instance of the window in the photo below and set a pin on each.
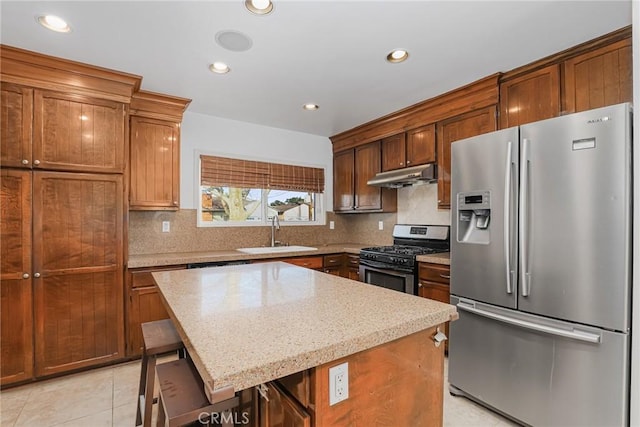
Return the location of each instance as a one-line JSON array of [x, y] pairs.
[[244, 192]]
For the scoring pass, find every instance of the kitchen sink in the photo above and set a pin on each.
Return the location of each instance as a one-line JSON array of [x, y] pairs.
[[276, 249]]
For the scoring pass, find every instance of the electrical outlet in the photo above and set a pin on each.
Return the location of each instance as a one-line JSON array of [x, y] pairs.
[[166, 226], [332, 225], [380, 225], [338, 383]]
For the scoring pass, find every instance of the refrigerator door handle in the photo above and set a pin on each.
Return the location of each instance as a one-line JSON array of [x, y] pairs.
[[524, 218], [507, 218], [573, 334]]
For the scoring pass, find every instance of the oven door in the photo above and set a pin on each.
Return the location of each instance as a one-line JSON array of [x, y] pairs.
[[387, 277]]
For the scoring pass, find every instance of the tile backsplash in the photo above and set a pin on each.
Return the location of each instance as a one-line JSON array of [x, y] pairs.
[[419, 205], [146, 236]]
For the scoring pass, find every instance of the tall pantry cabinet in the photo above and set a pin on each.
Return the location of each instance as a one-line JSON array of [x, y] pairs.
[[62, 157]]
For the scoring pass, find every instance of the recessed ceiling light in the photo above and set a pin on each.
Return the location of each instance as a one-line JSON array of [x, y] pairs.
[[397, 55], [219, 68], [54, 23], [310, 107], [259, 7]]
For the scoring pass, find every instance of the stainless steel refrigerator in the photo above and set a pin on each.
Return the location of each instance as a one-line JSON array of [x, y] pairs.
[[541, 269]]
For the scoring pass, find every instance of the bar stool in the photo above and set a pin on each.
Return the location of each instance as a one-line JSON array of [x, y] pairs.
[[182, 398], [160, 338]]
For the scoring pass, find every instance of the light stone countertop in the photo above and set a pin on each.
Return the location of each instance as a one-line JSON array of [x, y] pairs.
[[443, 258], [177, 258], [244, 325]]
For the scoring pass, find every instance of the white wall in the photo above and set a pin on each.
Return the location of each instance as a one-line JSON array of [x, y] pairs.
[[207, 134], [635, 327]]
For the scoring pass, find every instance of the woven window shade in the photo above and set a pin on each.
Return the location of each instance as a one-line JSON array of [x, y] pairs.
[[227, 172]]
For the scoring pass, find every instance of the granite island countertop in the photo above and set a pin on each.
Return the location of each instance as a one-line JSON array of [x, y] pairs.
[[245, 325], [177, 258]]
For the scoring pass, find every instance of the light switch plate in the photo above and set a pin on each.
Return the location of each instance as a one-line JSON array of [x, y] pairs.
[[166, 226], [332, 225], [380, 225], [338, 383]]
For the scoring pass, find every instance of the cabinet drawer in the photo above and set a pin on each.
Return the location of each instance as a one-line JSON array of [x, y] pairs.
[[298, 386], [353, 261], [434, 273], [308, 262], [142, 277], [334, 260]]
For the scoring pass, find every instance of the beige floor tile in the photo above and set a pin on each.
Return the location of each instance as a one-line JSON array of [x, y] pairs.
[[124, 415], [126, 380], [12, 402], [68, 398], [8, 416], [101, 419]]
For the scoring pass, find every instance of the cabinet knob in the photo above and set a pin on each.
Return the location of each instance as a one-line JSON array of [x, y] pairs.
[[420, 285], [36, 162], [25, 162], [401, 163], [408, 162], [36, 275], [25, 276], [175, 203]]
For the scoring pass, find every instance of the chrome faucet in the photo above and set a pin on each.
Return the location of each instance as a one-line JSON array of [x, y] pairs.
[[275, 225]]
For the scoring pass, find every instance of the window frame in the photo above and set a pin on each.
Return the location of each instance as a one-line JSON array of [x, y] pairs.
[[321, 213]]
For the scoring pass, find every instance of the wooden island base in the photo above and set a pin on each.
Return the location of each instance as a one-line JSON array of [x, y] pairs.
[[399, 383]]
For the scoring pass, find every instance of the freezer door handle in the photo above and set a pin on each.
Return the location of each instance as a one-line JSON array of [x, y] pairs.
[[573, 334], [507, 218], [524, 218]]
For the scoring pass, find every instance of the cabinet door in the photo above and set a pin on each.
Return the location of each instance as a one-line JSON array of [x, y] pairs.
[[367, 165], [438, 292], [78, 255], [16, 338], [15, 132], [78, 133], [421, 145], [463, 126], [343, 181], [145, 306], [155, 164], [599, 78], [531, 97], [278, 409], [394, 152]]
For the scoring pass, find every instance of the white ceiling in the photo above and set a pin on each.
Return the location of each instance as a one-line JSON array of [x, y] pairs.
[[331, 53]]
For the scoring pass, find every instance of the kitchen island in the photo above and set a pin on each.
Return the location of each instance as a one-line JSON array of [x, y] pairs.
[[253, 324]]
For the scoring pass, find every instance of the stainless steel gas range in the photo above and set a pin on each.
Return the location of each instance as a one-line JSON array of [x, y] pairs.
[[395, 267]]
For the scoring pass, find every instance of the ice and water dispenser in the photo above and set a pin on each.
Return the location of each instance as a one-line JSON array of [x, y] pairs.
[[474, 217]]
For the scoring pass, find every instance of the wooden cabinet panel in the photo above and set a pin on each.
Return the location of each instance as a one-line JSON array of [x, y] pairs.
[[298, 386], [78, 298], [459, 127], [367, 165], [145, 306], [343, 181], [16, 315], [598, 78], [394, 152], [433, 283], [434, 272], [16, 119], [278, 409], [78, 133], [307, 262], [155, 164], [531, 97], [421, 145]]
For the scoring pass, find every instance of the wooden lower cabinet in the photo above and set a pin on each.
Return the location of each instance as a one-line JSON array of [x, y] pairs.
[[433, 283], [343, 265], [353, 267], [399, 383], [144, 304]]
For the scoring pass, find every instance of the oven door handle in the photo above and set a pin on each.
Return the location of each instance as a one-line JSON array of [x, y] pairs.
[[383, 266]]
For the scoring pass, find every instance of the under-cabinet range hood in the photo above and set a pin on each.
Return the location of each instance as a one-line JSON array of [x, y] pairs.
[[422, 174]]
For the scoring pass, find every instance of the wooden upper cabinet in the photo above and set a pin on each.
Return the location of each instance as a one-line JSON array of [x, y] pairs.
[[598, 78], [16, 298], [78, 133], [394, 152], [421, 145], [451, 130], [155, 164], [531, 97], [155, 151], [367, 165], [343, 179], [17, 119], [77, 253], [412, 148]]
